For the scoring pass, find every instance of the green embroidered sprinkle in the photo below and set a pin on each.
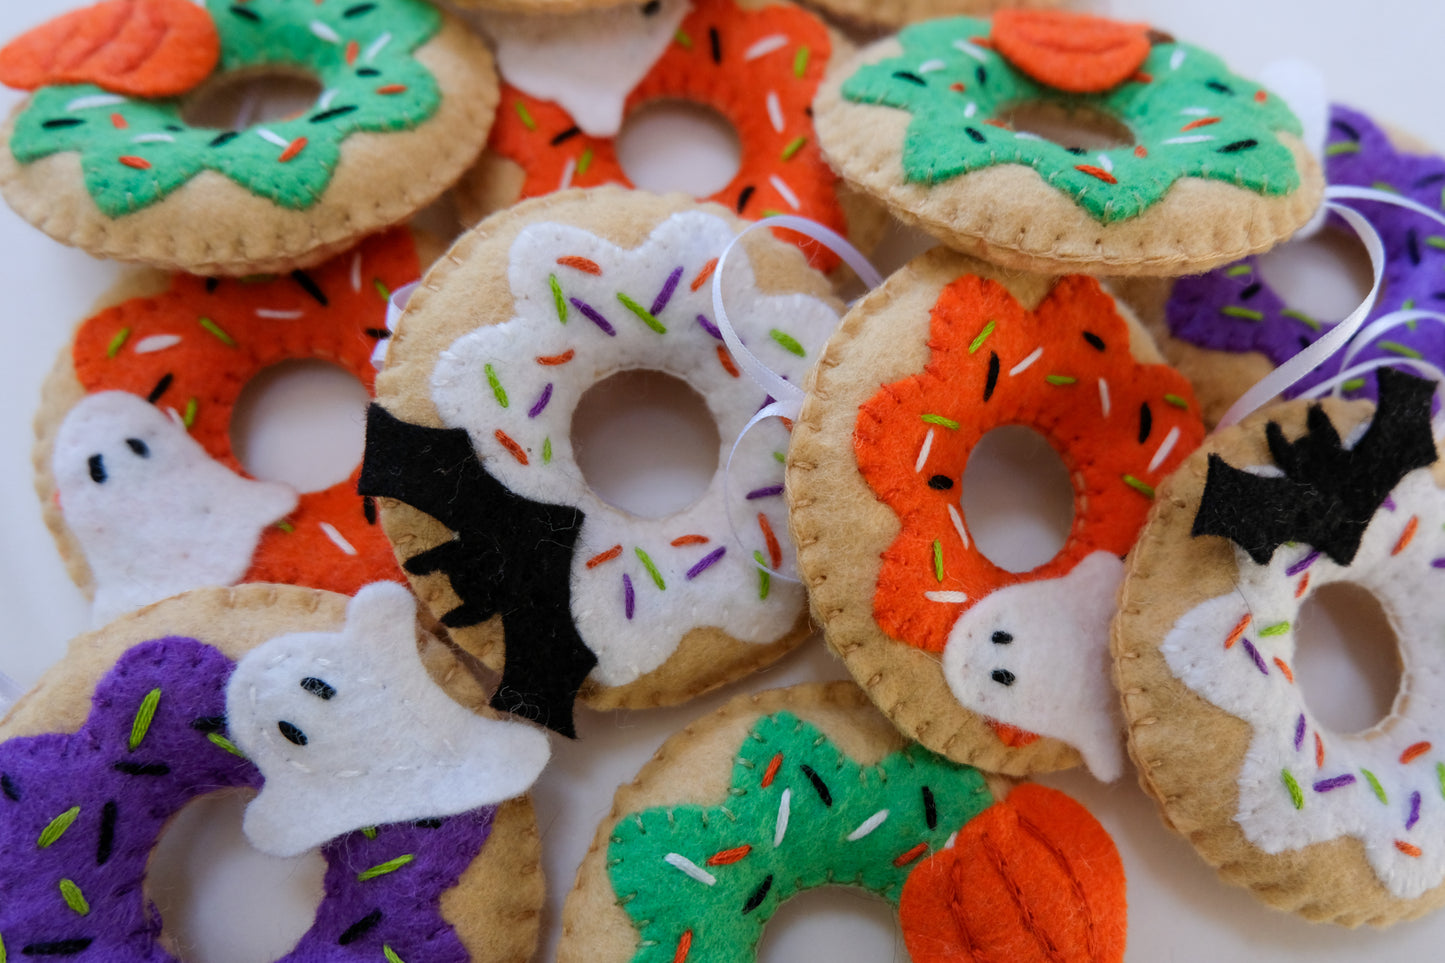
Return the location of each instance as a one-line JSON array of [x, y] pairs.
[[793, 147], [765, 582], [381, 289], [789, 343], [683, 40], [1404, 350], [2, 949], [111, 350], [216, 739], [73, 897], [1375, 785], [57, 827], [1409, 305], [369, 832], [1278, 628], [390, 866], [1302, 317], [644, 315], [778, 456], [547, 450], [390, 954], [647, 563], [1239, 270], [1143, 488], [188, 417], [143, 718], [800, 61], [286, 527], [1385, 186], [557, 298], [1343, 147], [1177, 401], [948, 423], [772, 212], [938, 560], [1296, 795], [1439, 776], [1436, 241], [217, 330], [1354, 384], [1060, 381], [1248, 314], [526, 116], [498, 391], [982, 337], [584, 162]]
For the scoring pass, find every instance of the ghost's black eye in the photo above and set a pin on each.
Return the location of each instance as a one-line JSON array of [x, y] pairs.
[[1001, 676], [138, 446], [941, 482], [651, 7], [294, 734], [1002, 638], [318, 688], [97, 469]]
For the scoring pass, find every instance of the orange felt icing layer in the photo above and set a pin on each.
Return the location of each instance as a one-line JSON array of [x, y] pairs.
[[713, 62], [1073, 52], [139, 48], [1033, 878], [1064, 370], [1012, 736], [230, 331]]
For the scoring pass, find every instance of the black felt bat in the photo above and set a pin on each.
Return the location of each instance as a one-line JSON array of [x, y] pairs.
[[1328, 493], [511, 556]]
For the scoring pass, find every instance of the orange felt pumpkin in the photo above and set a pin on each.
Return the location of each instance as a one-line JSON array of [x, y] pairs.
[[1073, 52], [139, 48], [1033, 878]]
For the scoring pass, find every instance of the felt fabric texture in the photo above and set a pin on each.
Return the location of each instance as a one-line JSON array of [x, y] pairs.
[[865, 15], [1075, 53], [1033, 878], [472, 291], [587, 62], [920, 123], [1330, 825], [154, 514], [127, 179], [132, 724], [140, 48], [350, 731]]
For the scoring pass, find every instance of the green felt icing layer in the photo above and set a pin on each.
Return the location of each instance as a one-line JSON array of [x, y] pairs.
[[711, 877], [135, 152], [1189, 113]]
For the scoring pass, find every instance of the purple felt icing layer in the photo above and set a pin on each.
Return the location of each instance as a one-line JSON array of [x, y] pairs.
[[125, 796], [1232, 309]]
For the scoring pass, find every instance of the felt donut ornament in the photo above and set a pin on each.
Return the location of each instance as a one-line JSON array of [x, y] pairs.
[[1332, 825], [1229, 328], [788, 790], [414, 799], [972, 660], [1207, 166], [136, 472], [102, 155], [470, 450], [569, 85]]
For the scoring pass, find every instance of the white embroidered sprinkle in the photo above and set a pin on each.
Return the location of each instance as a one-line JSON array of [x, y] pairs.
[[868, 825], [272, 315], [1164, 449], [327, 98], [1104, 397], [94, 100], [1190, 139], [568, 172], [153, 139], [1025, 135], [923, 452], [356, 272], [1024, 364], [1176, 61], [784, 805], [775, 111], [324, 32], [689, 868], [782, 188], [952, 838], [337, 538], [766, 46], [1106, 163], [1195, 111], [157, 342], [272, 137], [377, 46], [929, 66], [958, 525], [970, 109], [952, 598], [963, 46]]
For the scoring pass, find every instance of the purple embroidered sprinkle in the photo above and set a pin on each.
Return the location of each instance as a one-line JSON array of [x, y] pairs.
[[1335, 782], [709, 327], [768, 492], [1389, 503], [706, 563], [1254, 654], [591, 314], [1302, 564], [629, 600], [1414, 810], [1299, 732], [668, 287], [541, 402]]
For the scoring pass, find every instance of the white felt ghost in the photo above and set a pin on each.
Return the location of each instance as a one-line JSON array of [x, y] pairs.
[[587, 62], [350, 731], [154, 513], [1036, 656]]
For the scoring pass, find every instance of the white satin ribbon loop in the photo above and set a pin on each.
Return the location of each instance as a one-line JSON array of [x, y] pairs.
[[1376, 329], [395, 305], [10, 693], [1420, 366]]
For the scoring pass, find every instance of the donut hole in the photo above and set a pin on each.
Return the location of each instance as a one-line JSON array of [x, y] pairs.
[[678, 145], [222, 901], [832, 916], [1072, 128], [242, 98], [1326, 275], [646, 442], [1347, 657], [302, 423], [1018, 498]]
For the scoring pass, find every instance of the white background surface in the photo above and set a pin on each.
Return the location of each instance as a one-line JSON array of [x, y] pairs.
[[1381, 56]]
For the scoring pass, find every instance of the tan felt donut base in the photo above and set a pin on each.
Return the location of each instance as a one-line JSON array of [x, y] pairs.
[[543, 8], [695, 767], [841, 527], [468, 289], [896, 13], [212, 225], [1187, 751], [495, 907], [1010, 216]]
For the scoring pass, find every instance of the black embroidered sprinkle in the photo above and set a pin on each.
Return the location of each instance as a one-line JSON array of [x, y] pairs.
[[566, 135], [359, 10], [1002, 676], [820, 787], [716, 41], [138, 446], [982, 75], [58, 947], [292, 733], [317, 687], [62, 122], [368, 72], [105, 845], [432, 823], [209, 724], [930, 810], [992, 381], [380, 334], [1096, 342], [360, 928], [212, 284], [975, 135], [1249, 292], [142, 768], [760, 894], [97, 469], [333, 113], [8, 787], [1219, 88], [1002, 638], [1146, 422], [651, 7], [245, 14], [160, 387], [744, 197], [912, 78], [1238, 146], [940, 483], [1412, 246], [309, 285], [1349, 130], [221, 140]]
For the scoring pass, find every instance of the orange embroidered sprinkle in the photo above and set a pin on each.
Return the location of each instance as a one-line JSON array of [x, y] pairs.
[[556, 359], [1261, 96], [983, 42], [392, 89], [727, 361], [1237, 631], [957, 88], [1319, 752], [704, 274], [689, 540], [1141, 151], [997, 123], [1414, 752], [118, 122], [296, 147], [1140, 77], [684, 945], [606, 556], [1408, 536], [787, 423], [1098, 172], [1284, 667], [775, 551], [729, 856], [1304, 585], [506, 442], [1409, 849], [139, 163], [911, 855], [1201, 122], [585, 265], [772, 771], [352, 50]]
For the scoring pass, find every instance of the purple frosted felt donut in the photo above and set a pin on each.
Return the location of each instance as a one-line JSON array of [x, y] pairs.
[[1232, 310]]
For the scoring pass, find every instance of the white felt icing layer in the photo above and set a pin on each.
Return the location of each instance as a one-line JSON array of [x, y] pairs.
[[1036, 655], [1400, 815], [585, 62], [154, 514], [372, 739], [630, 615]]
